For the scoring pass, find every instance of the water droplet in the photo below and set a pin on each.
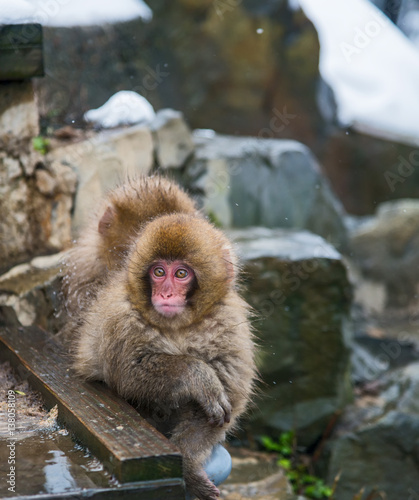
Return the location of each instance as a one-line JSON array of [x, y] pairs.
[[274, 383], [259, 31], [290, 381]]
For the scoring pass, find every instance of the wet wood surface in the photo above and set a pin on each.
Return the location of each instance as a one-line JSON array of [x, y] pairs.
[[114, 432]]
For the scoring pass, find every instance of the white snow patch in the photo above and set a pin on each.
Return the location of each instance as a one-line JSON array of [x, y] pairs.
[[72, 12], [123, 108], [371, 66], [14, 11]]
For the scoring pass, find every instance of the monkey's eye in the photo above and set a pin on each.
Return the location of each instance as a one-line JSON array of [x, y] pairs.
[[159, 272], [181, 273]]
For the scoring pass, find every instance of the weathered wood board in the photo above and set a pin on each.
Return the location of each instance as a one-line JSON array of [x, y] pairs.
[[151, 490], [128, 446], [21, 55]]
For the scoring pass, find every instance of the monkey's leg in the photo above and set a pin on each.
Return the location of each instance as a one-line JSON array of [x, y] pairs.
[[195, 438]]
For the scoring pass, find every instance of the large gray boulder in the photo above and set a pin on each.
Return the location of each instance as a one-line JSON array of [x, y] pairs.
[[263, 182], [376, 445], [297, 285]]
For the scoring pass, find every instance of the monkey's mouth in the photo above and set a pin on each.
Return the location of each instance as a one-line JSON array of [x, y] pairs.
[[169, 310]]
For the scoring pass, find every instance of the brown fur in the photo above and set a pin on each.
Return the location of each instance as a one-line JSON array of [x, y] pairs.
[[191, 375]]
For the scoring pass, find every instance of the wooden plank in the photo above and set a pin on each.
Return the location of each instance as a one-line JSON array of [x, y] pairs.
[[114, 432], [152, 490], [21, 54]]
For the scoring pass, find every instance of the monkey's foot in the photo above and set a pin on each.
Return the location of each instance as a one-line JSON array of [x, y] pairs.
[[198, 485]]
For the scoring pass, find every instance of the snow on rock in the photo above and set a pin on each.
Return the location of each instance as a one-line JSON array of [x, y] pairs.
[[16, 11], [123, 108], [72, 12], [371, 66]]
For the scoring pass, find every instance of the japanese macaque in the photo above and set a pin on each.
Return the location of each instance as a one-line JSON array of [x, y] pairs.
[[164, 326], [104, 244]]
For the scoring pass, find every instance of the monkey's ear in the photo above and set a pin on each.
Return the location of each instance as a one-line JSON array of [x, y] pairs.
[[106, 221]]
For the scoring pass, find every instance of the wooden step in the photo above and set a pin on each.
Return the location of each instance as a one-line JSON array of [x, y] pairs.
[[114, 432]]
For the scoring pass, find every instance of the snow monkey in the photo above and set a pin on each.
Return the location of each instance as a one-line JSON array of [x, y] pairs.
[[163, 324]]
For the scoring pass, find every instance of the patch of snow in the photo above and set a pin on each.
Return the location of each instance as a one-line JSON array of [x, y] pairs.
[[371, 66], [123, 108], [14, 12], [72, 12]]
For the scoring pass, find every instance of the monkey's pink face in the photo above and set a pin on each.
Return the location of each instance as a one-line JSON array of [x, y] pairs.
[[170, 284]]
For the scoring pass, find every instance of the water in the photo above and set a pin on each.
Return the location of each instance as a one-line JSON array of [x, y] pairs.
[[49, 462]]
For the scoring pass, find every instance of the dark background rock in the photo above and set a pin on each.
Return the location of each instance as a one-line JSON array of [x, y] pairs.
[[205, 60], [241, 68], [297, 285], [376, 443]]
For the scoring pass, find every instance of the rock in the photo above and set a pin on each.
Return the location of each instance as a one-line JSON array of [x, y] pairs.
[[263, 182], [103, 160], [253, 71], [296, 283], [372, 357], [173, 141], [35, 208], [30, 294], [18, 110], [274, 487], [251, 62], [386, 251], [365, 171], [256, 475], [378, 435]]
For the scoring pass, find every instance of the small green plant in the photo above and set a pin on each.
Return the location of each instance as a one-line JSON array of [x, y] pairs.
[[297, 473], [40, 144]]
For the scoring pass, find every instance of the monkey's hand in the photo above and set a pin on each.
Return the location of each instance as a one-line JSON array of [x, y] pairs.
[[178, 379], [215, 403]]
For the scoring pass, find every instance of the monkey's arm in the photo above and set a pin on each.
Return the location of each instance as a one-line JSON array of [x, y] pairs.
[[174, 380]]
